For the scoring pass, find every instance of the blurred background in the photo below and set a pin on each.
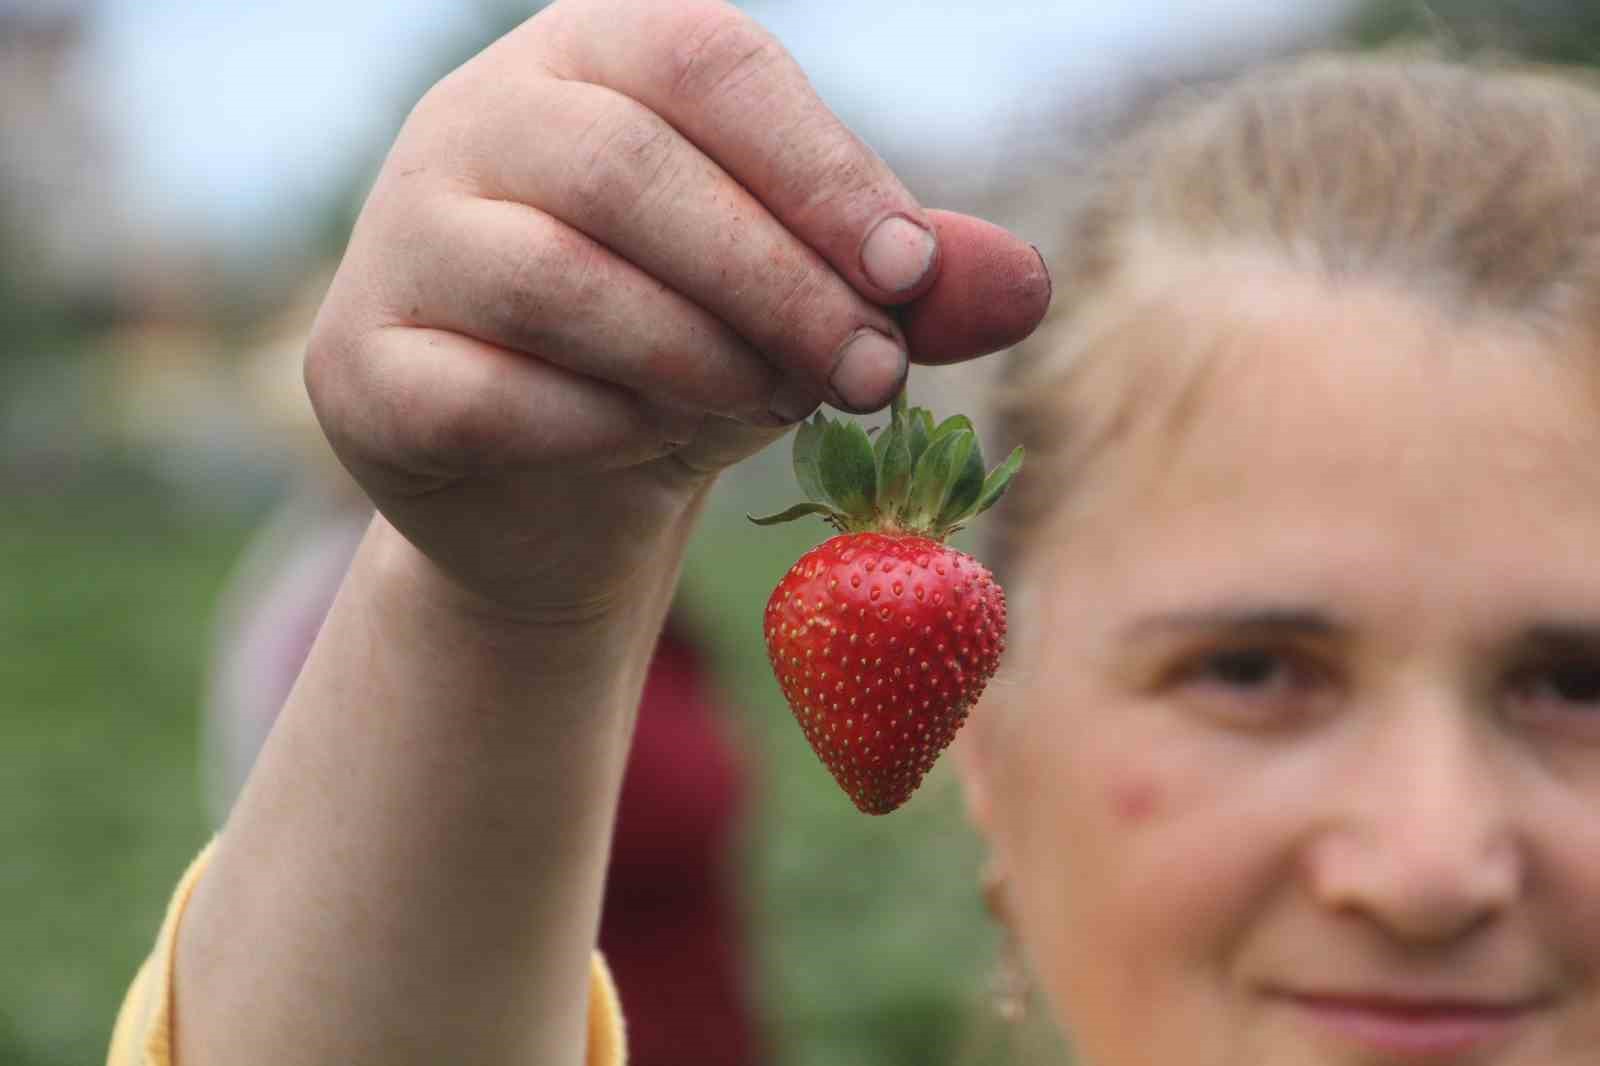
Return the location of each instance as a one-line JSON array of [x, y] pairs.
[[177, 180]]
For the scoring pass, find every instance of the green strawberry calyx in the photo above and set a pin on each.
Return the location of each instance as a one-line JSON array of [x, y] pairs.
[[916, 478]]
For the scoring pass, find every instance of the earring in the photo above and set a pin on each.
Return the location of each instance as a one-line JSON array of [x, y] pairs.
[[1010, 985]]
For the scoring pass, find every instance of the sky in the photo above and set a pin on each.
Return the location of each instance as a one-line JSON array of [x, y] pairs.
[[229, 119]]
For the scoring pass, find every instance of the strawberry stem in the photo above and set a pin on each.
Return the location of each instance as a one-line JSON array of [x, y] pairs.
[[914, 477]]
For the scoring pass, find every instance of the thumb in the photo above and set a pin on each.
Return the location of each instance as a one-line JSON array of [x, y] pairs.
[[992, 290]]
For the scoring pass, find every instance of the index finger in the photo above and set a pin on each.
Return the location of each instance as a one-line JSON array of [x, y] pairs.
[[729, 87]]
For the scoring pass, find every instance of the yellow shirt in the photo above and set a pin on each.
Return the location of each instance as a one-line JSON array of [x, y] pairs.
[[143, 1033]]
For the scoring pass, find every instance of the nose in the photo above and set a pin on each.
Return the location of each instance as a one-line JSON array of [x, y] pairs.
[[1422, 839]]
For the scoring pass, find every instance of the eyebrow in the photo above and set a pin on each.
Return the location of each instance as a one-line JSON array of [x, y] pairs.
[[1301, 621], [1547, 638], [1561, 638]]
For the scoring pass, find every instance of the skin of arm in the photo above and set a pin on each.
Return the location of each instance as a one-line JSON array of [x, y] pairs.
[[414, 872]]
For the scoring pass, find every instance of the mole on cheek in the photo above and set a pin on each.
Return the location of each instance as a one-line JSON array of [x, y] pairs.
[[1134, 799]]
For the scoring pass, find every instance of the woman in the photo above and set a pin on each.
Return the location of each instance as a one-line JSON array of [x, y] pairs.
[[1301, 741], [1294, 755]]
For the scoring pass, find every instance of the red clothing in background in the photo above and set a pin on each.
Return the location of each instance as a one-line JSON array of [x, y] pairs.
[[670, 929]]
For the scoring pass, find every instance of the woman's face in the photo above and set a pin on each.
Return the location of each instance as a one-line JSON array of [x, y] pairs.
[[1300, 759]]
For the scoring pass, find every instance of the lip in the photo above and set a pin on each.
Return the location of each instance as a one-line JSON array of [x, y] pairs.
[[1413, 1028]]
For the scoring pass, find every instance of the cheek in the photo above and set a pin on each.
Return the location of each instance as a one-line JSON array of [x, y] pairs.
[[1134, 797], [1564, 862], [1091, 817], [1143, 884], [1110, 796], [1090, 821], [1146, 842]]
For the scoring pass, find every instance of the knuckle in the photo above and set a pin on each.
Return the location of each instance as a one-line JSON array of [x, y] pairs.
[[622, 160], [839, 171], [427, 419], [556, 279], [801, 293], [448, 102], [444, 134], [717, 48], [323, 371], [441, 99], [343, 382], [392, 413], [458, 430], [316, 368]]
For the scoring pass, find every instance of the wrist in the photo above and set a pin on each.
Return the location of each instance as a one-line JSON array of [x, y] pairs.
[[417, 602]]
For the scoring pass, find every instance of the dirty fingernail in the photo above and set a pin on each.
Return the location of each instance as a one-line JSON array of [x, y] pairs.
[[897, 254], [869, 369]]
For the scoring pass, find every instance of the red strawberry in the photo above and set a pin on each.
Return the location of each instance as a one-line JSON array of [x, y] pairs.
[[883, 637]]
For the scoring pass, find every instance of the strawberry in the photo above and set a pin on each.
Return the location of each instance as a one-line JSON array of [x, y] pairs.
[[883, 637]]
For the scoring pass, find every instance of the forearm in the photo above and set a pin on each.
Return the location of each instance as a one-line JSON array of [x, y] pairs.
[[414, 871]]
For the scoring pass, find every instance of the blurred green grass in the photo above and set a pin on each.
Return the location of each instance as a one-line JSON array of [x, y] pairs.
[[105, 601], [866, 930]]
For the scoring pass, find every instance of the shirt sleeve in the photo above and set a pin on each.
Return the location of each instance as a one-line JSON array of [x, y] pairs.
[[142, 1035]]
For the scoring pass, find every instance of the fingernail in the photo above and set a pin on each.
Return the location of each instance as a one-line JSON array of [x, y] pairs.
[[868, 371], [793, 401], [897, 253], [1049, 282]]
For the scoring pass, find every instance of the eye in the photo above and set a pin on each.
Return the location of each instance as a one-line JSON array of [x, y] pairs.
[[1561, 688], [1252, 684], [1244, 668]]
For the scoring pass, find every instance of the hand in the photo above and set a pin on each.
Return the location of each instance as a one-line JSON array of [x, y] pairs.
[[620, 249]]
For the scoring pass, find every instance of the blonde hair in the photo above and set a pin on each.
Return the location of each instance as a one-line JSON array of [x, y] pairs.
[[1475, 188]]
